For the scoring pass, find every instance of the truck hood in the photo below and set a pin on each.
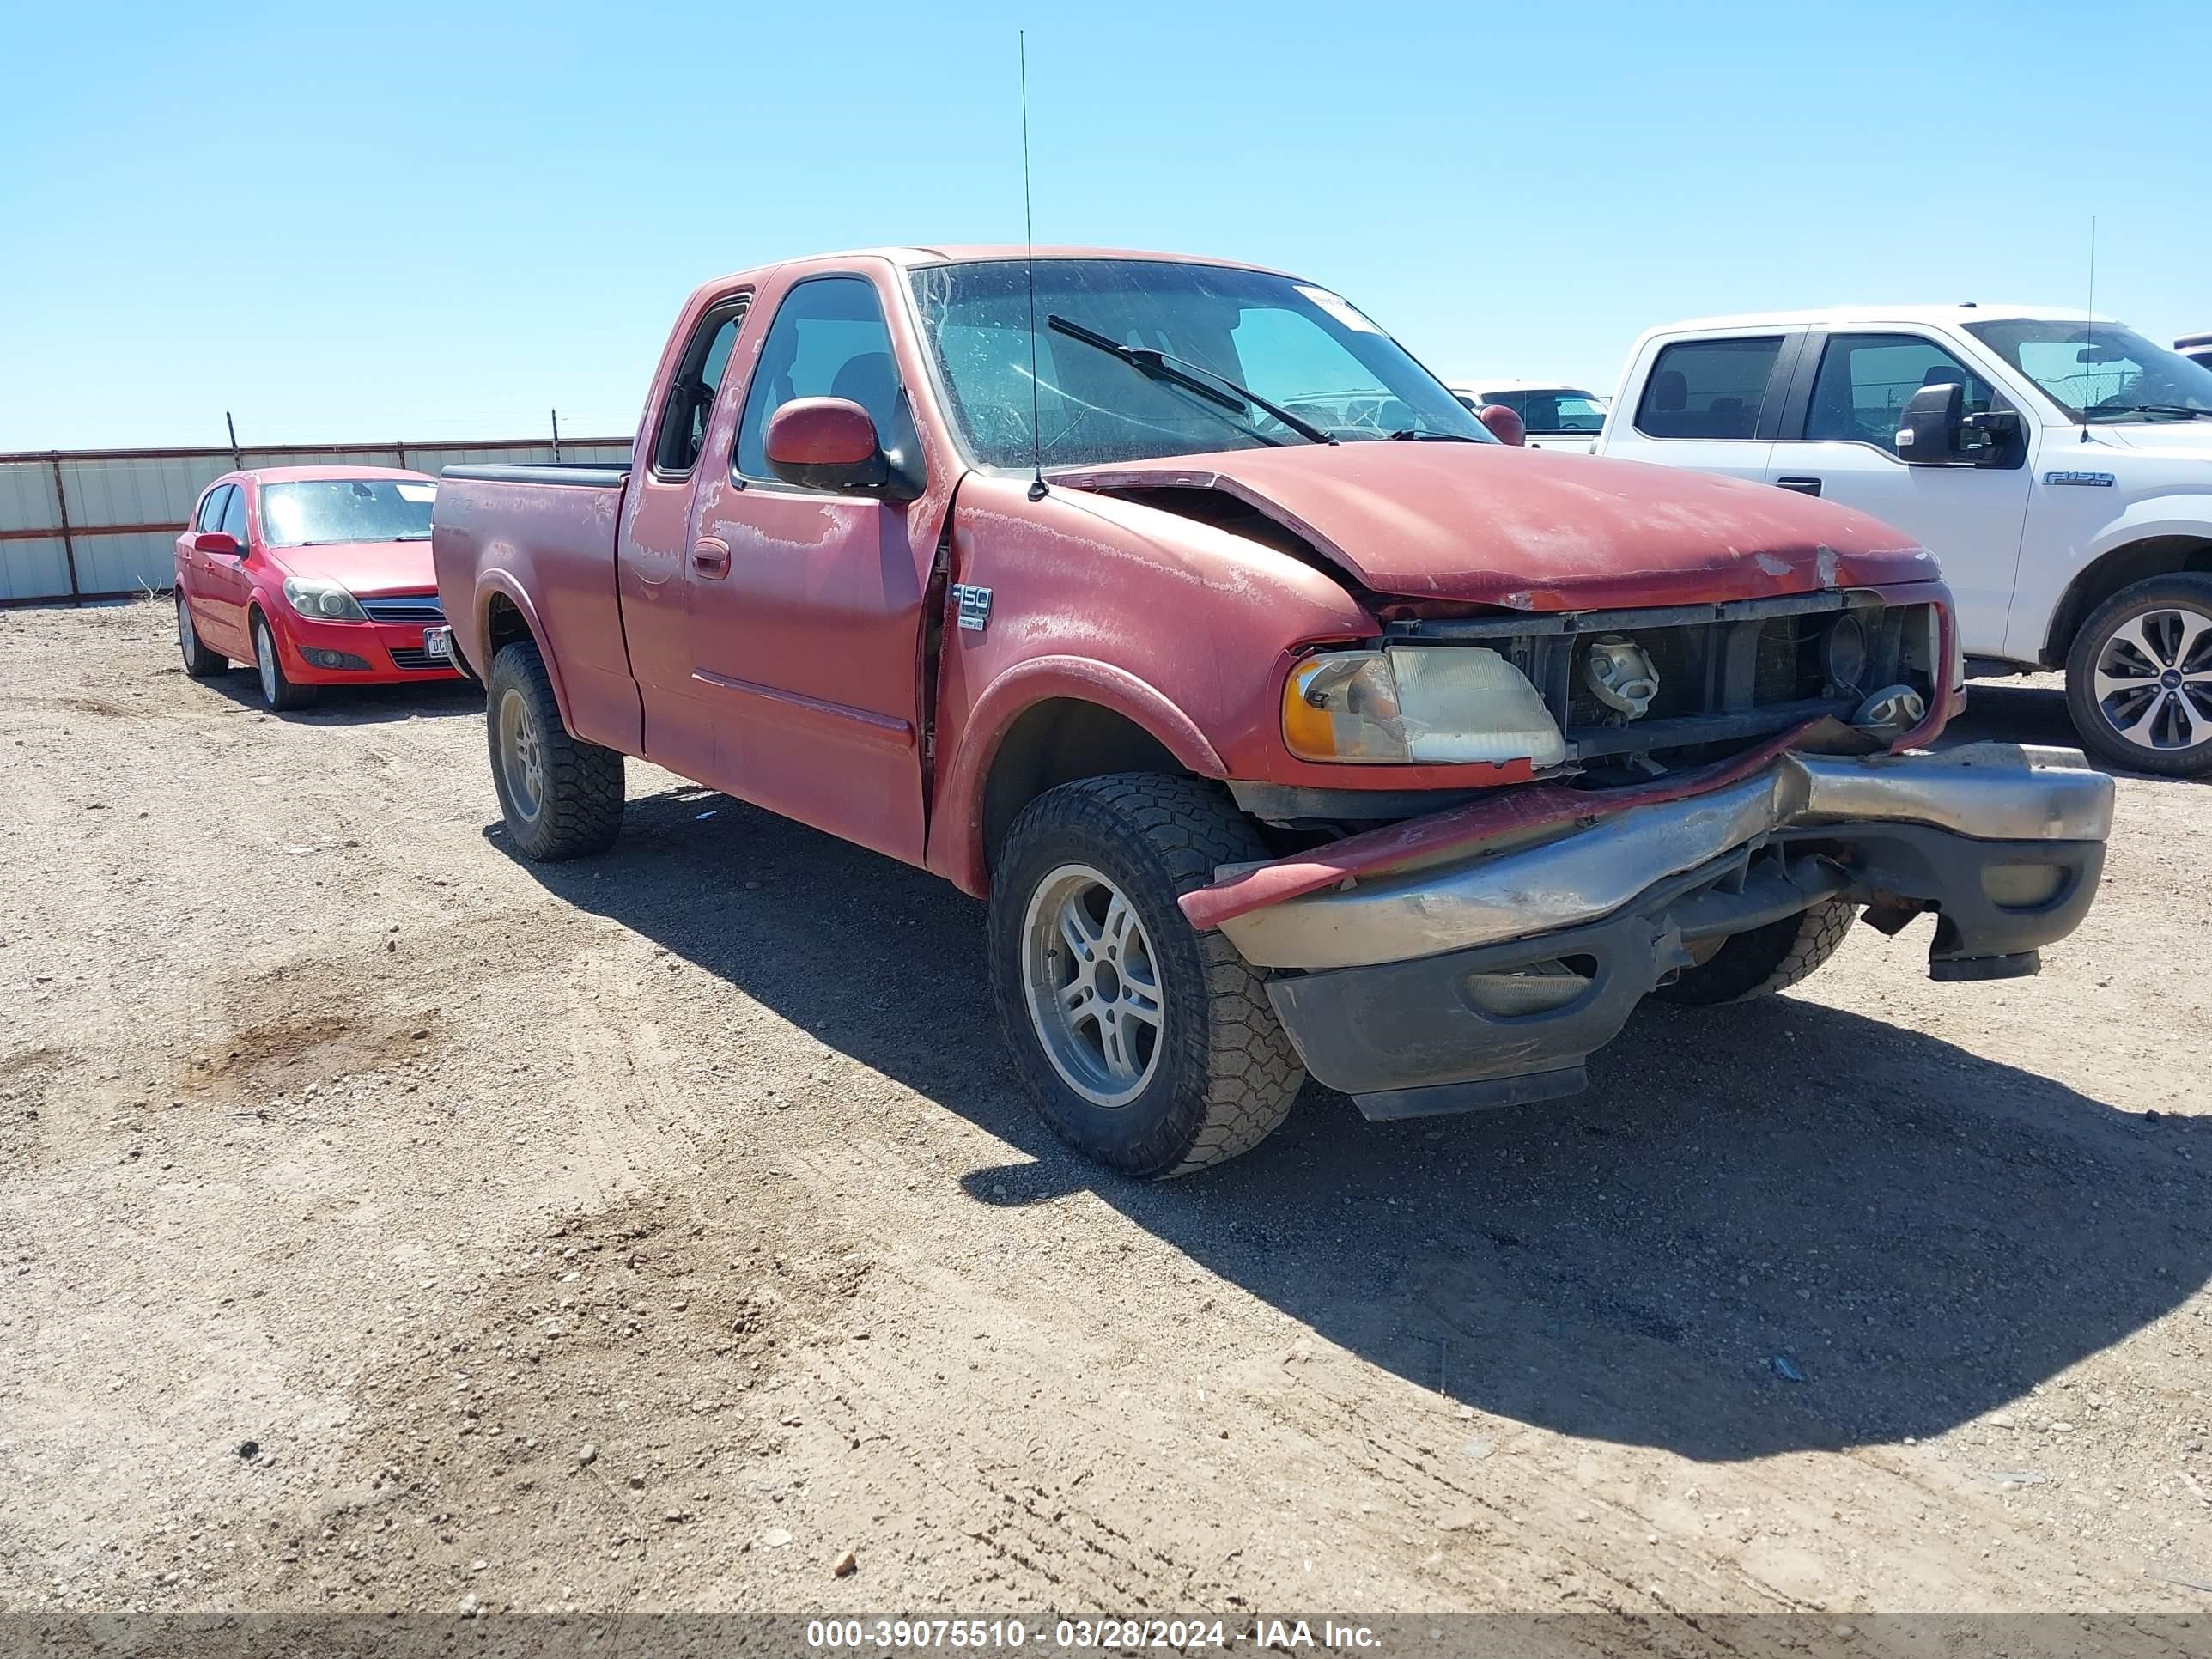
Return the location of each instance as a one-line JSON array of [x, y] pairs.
[[1530, 531], [2188, 441], [363, 566]]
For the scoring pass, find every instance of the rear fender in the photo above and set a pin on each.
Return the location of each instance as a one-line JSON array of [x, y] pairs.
[[502, 584]]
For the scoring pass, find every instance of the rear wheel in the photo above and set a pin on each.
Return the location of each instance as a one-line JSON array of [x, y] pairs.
[[1766, 960], [200, 661], [561, 797], [1146, 1044], [277, 690], [2139, 677]]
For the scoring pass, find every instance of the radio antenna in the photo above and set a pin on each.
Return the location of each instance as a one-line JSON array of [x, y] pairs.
[[2091, 329], [1029, 240]]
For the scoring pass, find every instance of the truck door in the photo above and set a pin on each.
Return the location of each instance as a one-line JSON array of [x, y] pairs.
[[1711, 403], [1838, 441], [805, 606], [653, 544]]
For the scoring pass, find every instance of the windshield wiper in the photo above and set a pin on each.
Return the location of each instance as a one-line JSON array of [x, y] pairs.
[[2187, 411], [1414, 435], [1162, 366]]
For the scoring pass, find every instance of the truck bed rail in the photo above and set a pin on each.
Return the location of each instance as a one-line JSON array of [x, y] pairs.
[[573, 475]]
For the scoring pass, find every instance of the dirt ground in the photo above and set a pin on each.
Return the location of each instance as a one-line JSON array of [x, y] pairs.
[[385, 1224]]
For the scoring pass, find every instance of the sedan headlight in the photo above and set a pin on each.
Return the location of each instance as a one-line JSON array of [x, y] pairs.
[[323, 600], [1417, 704]]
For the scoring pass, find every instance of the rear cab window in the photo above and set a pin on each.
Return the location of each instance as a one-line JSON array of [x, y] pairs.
[[1708, 388], [694, 387]]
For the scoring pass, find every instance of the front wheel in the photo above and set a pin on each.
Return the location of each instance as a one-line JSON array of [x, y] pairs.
[[1765, 960], [561, 797], [199, 662], [278, 690], [1146, 1044], [2139, 677]]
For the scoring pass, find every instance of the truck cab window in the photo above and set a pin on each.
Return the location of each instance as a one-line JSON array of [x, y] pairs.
[[1708, 388], [691, 392], [1866, 381], [828, 340]]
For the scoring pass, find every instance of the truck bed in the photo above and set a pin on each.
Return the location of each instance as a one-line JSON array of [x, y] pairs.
[[542, 537]]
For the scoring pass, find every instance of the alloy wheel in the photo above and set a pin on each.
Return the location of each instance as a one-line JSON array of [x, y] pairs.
[[522, 754], [2153, 678], [1092, 985]]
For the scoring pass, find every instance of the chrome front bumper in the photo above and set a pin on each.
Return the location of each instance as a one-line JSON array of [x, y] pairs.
[[1490, 893]]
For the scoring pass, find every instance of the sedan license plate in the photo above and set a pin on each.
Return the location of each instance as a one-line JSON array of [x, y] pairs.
[[438, 642]]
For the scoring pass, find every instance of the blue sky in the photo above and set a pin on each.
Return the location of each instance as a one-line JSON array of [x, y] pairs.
[[391, 221]]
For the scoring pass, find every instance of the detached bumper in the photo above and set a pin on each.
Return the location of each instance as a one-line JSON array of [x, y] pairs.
[[1484, 972]]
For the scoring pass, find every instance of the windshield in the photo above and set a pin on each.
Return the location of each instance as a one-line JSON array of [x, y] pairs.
[[1289, 344], [1551, 410], [346, 510], [2100, 372]]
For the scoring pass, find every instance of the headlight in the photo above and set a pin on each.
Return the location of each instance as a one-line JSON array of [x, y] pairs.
[[324, 601], [1418, 704]]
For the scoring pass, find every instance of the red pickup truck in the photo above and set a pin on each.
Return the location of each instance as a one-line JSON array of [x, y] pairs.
[[1288, 723]]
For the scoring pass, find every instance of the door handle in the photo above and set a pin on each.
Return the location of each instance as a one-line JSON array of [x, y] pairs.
[[1802, 486], [710, 557]]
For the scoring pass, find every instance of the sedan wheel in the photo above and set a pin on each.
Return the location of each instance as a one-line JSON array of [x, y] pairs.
[[2140, 677], [200, 661]]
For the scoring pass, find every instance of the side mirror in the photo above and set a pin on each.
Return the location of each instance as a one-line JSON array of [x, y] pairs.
[[827, 443], [1929, 428], [220, 542]]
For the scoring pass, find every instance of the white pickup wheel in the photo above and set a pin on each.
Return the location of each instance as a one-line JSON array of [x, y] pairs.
[[2139, 677]]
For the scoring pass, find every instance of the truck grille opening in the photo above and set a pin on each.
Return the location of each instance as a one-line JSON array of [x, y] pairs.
[[1728, 675]]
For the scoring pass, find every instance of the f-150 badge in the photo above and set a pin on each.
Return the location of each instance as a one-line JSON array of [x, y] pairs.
[[974, 604], [2093, 480]]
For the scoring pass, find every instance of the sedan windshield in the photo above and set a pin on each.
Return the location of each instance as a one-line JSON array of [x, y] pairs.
[[1195, 358], [306, 514], [2101, 372]]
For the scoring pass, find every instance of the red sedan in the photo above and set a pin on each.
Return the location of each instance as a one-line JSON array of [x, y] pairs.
[[317, 575]]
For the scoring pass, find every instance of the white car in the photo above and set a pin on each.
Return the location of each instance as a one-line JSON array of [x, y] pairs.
[[2058, 465], [1558, 416]]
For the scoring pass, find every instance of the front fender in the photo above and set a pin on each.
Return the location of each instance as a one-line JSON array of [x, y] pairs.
[[955, 837], [2152, 517]]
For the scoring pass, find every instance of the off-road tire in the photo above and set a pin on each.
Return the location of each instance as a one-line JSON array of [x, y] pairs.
[[1766, 960], [1224, 1073], [278, 690], [199, 662], [2185, 591], [580, 810]]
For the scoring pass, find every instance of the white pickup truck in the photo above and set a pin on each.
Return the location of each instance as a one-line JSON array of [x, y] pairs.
[[2058, 465]]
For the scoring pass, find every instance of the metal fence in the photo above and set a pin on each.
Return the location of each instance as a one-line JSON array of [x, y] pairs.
[[101, 524]]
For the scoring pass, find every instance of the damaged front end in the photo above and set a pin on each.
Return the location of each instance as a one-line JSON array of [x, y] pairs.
[[1476, 956]]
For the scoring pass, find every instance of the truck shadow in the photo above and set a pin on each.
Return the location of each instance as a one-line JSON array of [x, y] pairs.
[[1773, 1228]]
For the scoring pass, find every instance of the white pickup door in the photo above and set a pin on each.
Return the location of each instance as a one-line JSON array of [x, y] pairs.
[[1838, 440], [1816, 412]]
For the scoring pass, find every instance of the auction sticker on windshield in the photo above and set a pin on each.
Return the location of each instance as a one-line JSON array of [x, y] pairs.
[[1338, 307]]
